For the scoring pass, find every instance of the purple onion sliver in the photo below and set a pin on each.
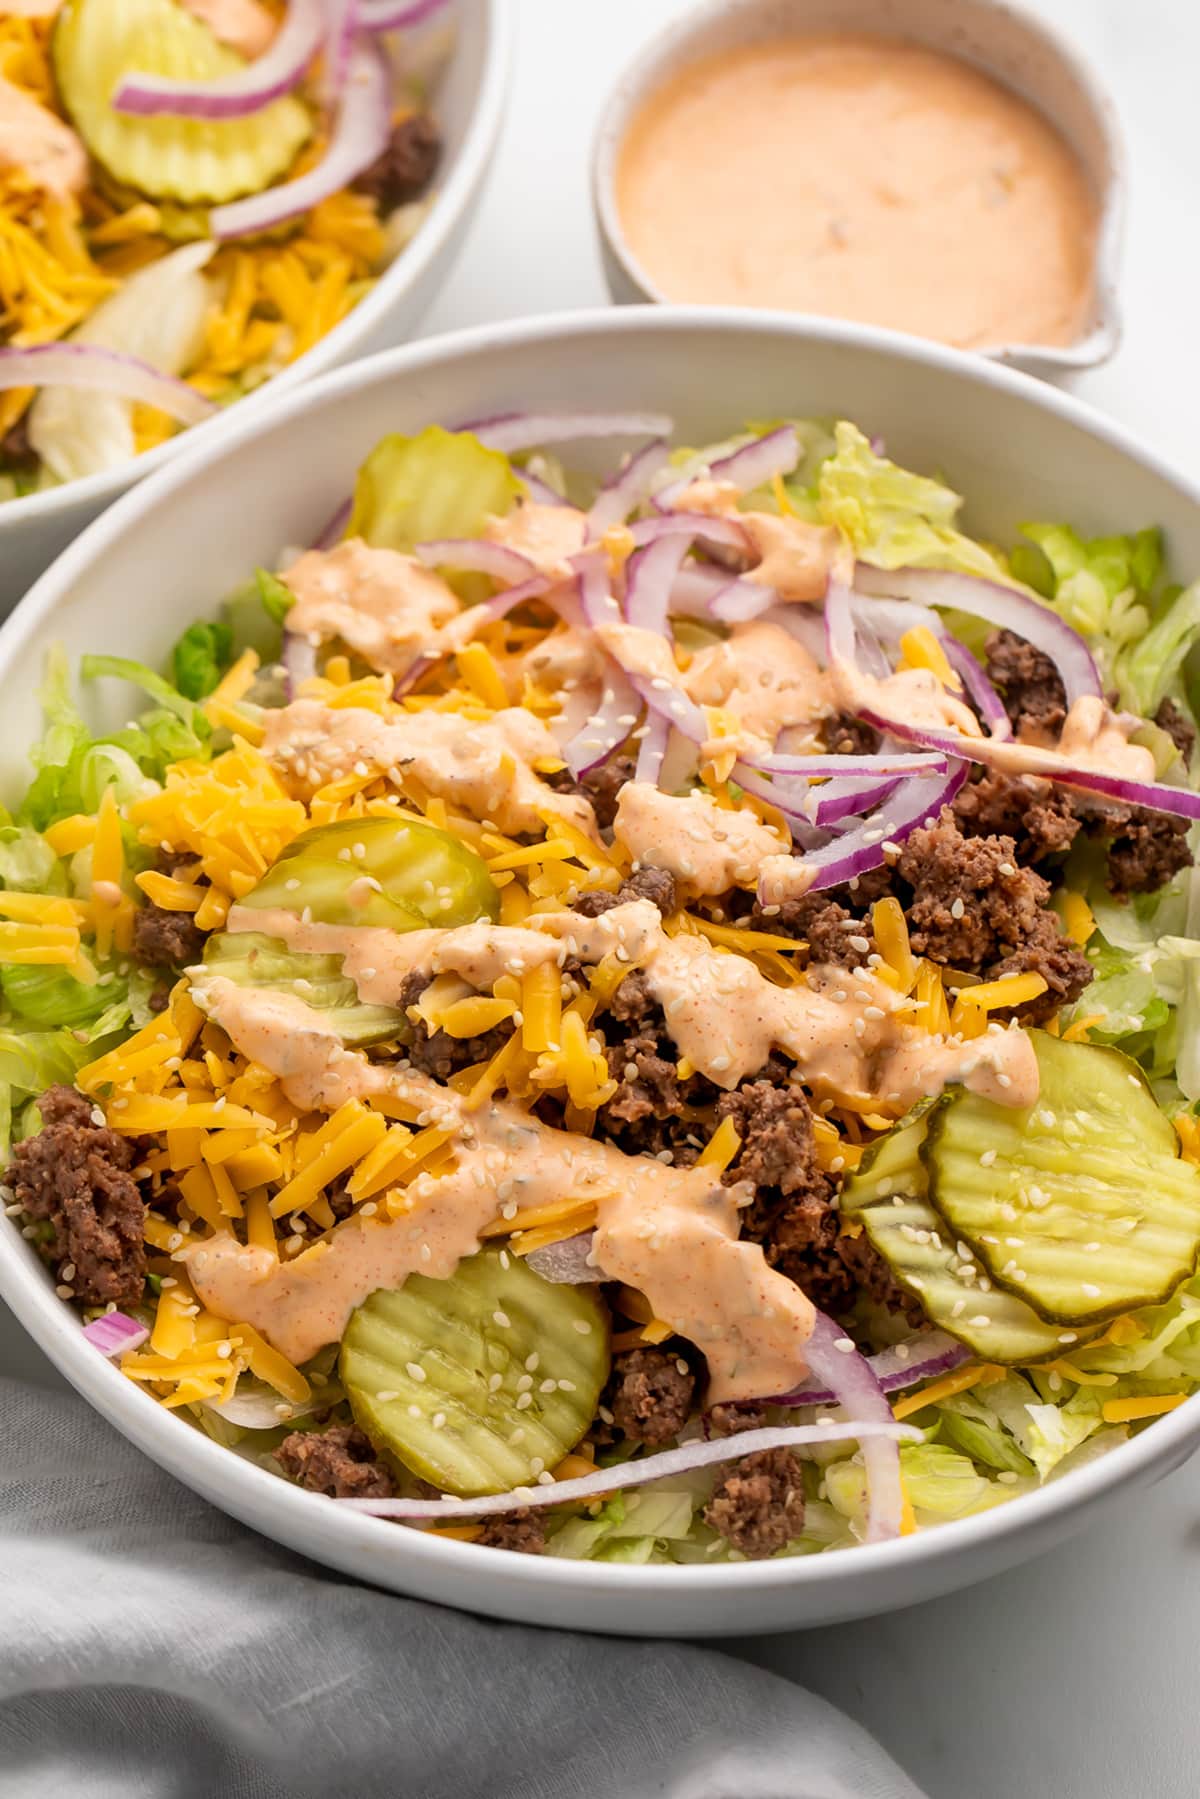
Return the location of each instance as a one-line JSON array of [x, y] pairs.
[[743, 601], [840, 800], [513, 431], [627, 489], [360, 136], [566, 1263], [757, 463], [725, 532], [1006, 607], [335, 530], [299, 658], [397, 15], [114, 1334], [878, 762], [661, 1466], [649, 577], [861, 849], [834, 1359], [652, 750], [540, 491], [595, 594], [975, 680], [92, 367], [247, 90], [607, 727], [476, 555], [923, 1357]]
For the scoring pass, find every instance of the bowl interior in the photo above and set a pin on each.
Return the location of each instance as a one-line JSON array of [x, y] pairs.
[[166, 554], [1017, 48]]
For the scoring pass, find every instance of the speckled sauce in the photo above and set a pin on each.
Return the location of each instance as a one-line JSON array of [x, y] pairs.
[[861, 177], [388, 607]]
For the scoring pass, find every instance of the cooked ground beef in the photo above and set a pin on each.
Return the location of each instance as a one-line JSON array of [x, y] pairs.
[[340, 1461], [523, 1531], [166, 939], [437, 1053], [76, 1174], [832, 933], [846, 735], [1039, 817], [602, 786], [650, 1394], [1178, 727], [16, 451], [758, 1506], [1030, 685], [1064, 968], [654, 884], [731, 1420], [1146, 850], [406, 167]]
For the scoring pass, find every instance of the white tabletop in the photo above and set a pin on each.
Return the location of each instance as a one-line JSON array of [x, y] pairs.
[[1074, 1676]]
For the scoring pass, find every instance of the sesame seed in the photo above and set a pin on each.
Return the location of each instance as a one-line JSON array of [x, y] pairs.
[[414, 1411], [64, 1291], [439, 1421], [979, 1321], [548, 1386], [387, 1396], [523, 1400], [585, 1330], [502, 1319], [957, 909], [1090, 1288], [415, 1371]]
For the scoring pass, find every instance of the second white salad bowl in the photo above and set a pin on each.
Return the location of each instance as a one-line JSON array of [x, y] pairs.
[[170, 550]]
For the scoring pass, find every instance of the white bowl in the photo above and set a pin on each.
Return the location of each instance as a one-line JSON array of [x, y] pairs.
[[169, 550], [1016, 47], [469, 101]]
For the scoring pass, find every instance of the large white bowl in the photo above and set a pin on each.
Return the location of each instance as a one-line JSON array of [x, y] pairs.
[[170, 549], [469, 102]]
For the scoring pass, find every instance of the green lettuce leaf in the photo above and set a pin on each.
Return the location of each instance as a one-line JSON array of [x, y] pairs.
[[893, 518], [201, 657]]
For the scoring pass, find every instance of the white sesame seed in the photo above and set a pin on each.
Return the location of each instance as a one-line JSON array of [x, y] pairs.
[[523, 1400], [502, 1319], [415, 1371]]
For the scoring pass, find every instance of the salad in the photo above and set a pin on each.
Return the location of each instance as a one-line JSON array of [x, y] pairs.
[[192, 194], [651, 1020]]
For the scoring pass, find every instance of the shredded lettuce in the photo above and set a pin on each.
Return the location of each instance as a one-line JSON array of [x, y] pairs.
[[892, 517], [201, 657]]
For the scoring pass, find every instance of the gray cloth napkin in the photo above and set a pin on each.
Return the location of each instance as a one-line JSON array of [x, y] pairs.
[[152, 1649]]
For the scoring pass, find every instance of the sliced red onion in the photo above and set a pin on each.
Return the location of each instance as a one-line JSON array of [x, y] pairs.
[[973, 676], [878, 762], [417, 669], [566, 1263], [466, 625], [697, 587], [541, 491], [105, 371], [649, 577], [702, 525], [839, 800], [263, 1411], [397, 15], [652, 750], [805, 623], [607, 727], [341, 25], [335, 530], [859, 850], [247, 90], [299, 659], [791, 805], [662, 1466], [595, 594], [114, 1334], [627, 489], [835, 1360], [742, 601], [1005, 607], [920, 1358], [513, 431], [756, 464], [360, 136], [477, 556]]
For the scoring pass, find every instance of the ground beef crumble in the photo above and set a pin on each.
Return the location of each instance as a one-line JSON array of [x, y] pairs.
[[653, 884], [1030, 685], [437, 1053], [758, 1506], [163, 939], [523, 1531], [1039, 817], [76, 1174], [407, 165], [650, 1395], [1146, 850], [1178, 726], [340, 1461], [833, 933]]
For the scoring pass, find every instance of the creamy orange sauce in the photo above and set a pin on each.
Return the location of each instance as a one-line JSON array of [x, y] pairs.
[[672, 1232], [913, 694], [862, 178], [764, 680], [387, 606], [706, 846], [43, 147], [548, 535], [242, 24], [484, 766], [794, 556], [1093, 736]]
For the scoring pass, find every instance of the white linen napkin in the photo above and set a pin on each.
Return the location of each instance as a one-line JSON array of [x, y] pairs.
[[152, 1649]]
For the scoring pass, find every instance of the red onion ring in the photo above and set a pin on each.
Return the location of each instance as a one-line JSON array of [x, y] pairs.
[[859, 850], [667, 1462], [337, 48], [105, 371], [839, 800], [876, 762], [247, 90], [924, 1356], [628, 488], [836, 1361], [513, 431], [757, 463], [973, 676], [649, 577], [360, 136], [1005, 607], [475, 555], [387, 15]]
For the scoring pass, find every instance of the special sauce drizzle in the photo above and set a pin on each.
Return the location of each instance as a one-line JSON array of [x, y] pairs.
[[866, 178]]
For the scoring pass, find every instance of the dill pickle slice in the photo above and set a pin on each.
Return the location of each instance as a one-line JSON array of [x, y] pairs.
[[250, 959], [97, 42], [887, 1196], [415, 876], [1081, 1204], [480, 1382]]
